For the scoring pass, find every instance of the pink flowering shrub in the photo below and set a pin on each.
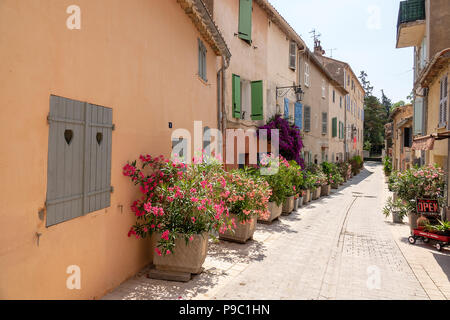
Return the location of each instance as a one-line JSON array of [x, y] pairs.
[[247, 196], [426, 183], [177, 200]]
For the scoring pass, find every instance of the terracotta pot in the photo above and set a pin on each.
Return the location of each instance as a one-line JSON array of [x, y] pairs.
[[185, 258], [242, 233], [288, 206], [316, 193], [325, 190], [275, 212]]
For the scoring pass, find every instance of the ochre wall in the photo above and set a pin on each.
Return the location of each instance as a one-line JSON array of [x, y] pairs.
[[138, 57]]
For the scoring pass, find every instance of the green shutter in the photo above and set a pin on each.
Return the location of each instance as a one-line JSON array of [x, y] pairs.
[[245, 20], [236, 88], [334, 127], [257, 100]]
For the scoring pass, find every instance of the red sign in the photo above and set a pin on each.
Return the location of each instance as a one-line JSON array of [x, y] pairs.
[[427, 206]]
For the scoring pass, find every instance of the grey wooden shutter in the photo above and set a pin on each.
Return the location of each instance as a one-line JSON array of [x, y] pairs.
[[307, 118], [324, 123], [292, 54], [65, 160], [79, 159], [97, 177]]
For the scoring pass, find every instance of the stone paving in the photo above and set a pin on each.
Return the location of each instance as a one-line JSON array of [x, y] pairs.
[[337, 247]]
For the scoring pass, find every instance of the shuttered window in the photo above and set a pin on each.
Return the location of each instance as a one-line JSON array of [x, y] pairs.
[[324, 123], [79, 159], [307, 119], [202, 60], [286, 108], [307, 74], [257, 100], [443, 102], [298, 115], [236, 93], [418, 116], [245, 20], [292, 54], [334, 127]]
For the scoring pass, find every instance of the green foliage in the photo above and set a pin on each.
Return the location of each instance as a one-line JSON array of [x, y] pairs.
[[398, 206], [332, 173], [387, 165]]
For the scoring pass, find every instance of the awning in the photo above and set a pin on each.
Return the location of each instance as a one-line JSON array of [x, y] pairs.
[[423, 143]]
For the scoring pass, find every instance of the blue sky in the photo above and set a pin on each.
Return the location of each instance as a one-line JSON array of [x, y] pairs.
[[364, 34]]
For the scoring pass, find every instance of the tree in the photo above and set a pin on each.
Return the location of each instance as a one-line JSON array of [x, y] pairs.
[[400, 103], [386, 102], [366, 83]]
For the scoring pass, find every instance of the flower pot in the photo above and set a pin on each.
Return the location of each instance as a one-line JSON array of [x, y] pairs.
[[300, 202], [241, 233], [307, 197], [396, 218], [335, 186], [325, 190], [275, 212], [296, 204], [187, 258], [288, 206], [316, 193], [412, 217]]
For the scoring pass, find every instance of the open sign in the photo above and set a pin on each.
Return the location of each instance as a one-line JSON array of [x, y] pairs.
[[427, 206]]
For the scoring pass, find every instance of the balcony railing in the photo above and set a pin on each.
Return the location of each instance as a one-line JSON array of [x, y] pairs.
[[411, 10]]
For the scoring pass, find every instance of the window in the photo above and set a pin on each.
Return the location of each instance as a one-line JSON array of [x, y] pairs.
[[323, 88], [292, 54], [443, 102], [79, 159], [324, 123], [307, 118], [306, 74], [247, 98], [236, 96], [245, 20], [340, 102], [407, 137], [202, 60], [334, 127], [334, 96]]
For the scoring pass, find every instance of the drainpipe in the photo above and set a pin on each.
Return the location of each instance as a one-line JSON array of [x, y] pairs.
[[222, 108]]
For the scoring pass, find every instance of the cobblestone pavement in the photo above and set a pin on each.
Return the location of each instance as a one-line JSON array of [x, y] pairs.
[[338, 247]]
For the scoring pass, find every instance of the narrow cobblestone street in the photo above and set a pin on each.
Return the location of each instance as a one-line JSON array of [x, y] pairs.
[[338, 247]]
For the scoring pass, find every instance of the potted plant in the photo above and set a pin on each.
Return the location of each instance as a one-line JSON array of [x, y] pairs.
[[419, 183], [396, 208], [181, 205], [295, 177], [387, 166], [247, 199], [275, 172]]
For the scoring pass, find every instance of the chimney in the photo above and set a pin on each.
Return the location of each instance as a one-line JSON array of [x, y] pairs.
[[318, 51]]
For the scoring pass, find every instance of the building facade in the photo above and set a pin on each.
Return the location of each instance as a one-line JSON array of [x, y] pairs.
[[354, 102], [94, 91], [424, 25], [402, 157]]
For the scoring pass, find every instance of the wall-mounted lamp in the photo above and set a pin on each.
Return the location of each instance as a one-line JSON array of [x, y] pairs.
[[282, 91]]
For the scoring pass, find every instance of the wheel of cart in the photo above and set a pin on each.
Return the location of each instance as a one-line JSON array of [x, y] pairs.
[[439, 246], [412, 239]]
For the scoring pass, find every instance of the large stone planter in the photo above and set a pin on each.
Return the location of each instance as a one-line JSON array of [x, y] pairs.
[[288, 206], [298, 203], [275, 212], [325, 190], [242, 233], [185, 258], [316, 193], [335, 186]]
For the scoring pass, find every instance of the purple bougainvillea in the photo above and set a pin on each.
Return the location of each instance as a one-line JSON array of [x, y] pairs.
[[291, 143]]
